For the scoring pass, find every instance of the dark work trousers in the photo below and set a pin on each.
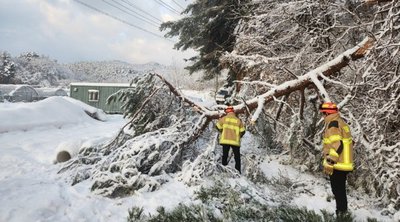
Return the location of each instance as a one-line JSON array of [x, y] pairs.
[[236, 153], [338, 185]]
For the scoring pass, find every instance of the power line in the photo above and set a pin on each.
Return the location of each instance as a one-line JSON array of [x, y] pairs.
[[137, 8], [137, 13], [176, 3], [121, 20], [127, 12], [165, 5], [169, 6]]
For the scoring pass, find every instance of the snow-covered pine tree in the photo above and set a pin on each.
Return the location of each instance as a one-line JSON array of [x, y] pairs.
[[209, 28], [7, 68]]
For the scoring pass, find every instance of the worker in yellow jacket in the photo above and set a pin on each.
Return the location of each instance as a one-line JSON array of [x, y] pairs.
[[232, 129], [337, 153]]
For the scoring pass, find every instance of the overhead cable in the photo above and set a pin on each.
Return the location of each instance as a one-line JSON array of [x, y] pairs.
[[176, 3], [121, 20], [137, 8], [165, 5], [129, 13]]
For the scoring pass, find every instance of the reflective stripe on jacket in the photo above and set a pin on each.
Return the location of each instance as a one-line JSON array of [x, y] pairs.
[[338, 143], [231, 127]]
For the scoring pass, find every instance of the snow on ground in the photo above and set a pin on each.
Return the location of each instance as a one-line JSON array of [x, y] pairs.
[[31, 189], [203, 98], [313, 192]]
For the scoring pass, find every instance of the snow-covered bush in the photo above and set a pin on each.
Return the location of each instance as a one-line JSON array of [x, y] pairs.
[[223, 201]]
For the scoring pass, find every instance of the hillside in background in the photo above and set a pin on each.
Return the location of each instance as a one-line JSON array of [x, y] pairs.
[[114, 71], [34, 69]]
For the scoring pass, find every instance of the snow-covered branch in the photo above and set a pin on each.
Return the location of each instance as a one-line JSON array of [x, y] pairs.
[[327, 69], [304, 81], [371, 2], [199, 108]]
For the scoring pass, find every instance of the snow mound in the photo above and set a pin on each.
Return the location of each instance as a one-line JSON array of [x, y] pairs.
[[51, 112], [66, 150]]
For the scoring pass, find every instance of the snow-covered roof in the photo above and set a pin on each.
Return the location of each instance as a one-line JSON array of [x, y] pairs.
[[99, 84], [51, 92], [10, 89], [7, 88]]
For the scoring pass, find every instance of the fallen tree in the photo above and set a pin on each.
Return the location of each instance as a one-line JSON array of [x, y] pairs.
[[170, 128], [368, 93], [171, 131], [311, 78]]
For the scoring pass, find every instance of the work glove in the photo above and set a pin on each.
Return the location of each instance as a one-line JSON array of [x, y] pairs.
[[328, 166], [328, 169]]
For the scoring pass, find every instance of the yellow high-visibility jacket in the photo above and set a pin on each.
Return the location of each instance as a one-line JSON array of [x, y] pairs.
[[338, 143], [232, 128]]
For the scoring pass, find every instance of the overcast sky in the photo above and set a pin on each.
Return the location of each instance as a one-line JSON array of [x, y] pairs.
[[69, 31]]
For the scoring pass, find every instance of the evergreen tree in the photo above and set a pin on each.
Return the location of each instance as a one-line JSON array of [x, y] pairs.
[[209, 28], [7, 68]]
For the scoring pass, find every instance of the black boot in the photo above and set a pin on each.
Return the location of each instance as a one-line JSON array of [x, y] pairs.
[[343, 216]]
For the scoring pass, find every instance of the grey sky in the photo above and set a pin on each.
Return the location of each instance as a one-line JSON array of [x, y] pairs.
[[68, 31]]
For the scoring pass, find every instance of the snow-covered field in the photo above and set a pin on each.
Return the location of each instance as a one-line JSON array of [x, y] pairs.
[[32, 190]]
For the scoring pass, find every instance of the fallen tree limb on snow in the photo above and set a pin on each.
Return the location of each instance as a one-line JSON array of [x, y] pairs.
[[302, 82]]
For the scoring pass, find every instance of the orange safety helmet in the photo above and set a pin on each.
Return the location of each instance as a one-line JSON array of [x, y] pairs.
[[229, 109], [328, 107]]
